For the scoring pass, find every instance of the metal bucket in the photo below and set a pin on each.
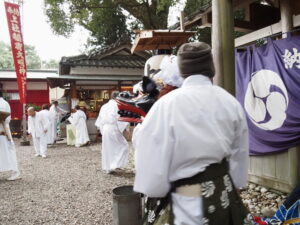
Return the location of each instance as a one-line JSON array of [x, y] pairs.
[[126, 206]]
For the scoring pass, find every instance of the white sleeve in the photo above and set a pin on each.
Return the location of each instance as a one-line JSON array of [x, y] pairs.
[[134, 135], [122, 126], [75, 119], [99, 123], [7, 127], [29, 124], [60, 110], [46, 122], [239, 159], [154, 142]]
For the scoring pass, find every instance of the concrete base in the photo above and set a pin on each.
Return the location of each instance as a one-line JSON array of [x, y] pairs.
[[25, 143]]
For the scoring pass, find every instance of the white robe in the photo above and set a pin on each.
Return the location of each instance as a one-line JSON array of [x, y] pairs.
[[78, 119], [184, 132], [55, 113], [37, 126], [114, 145], [50, 137], [8, 158]]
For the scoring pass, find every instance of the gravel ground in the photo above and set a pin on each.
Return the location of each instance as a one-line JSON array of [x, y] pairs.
[[67, 188], [262, 201]]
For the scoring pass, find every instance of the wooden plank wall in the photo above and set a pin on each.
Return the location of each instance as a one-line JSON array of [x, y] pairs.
[[277, 171]]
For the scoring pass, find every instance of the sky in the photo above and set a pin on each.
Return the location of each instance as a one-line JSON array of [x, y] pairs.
[[37, 32]]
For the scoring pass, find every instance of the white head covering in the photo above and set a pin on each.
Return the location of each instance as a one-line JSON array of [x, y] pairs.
[[169, 73]]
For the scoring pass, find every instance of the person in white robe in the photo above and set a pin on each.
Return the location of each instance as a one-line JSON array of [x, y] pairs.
[[78, 119], [46, 112], [56, 113], [38, 127], [8, 158], [114, 144], [184, 133]]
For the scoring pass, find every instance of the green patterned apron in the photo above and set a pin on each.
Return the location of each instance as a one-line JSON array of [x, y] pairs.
[[222, 204]]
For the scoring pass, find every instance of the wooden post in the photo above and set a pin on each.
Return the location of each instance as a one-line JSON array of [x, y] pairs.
[[73, 90], [182, 20], [223, 44], [286, 17], [119, 86]]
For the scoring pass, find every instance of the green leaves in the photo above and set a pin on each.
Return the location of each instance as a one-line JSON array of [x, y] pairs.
[[33, 61], [163, 5], [107, 20], [6, 59], [59, 17]]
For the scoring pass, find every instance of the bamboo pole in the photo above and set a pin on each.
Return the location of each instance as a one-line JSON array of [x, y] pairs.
[[223, 44]]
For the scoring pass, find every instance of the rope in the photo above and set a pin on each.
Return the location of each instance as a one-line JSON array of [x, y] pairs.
[[292, 221]]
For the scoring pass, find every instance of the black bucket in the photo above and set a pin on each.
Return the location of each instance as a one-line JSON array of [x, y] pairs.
[[127, 209]]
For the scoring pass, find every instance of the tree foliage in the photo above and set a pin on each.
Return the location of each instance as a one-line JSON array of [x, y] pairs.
[[50, 64], [204, 34], [107, 25], [107, 20], [191, 7], [6, 59], [33, 61]]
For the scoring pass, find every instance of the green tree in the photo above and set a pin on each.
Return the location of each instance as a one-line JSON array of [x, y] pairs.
[[107, 20], [115, 26], [33, 61], [204, 34], [192, 7], [6, 59], [50, 64]]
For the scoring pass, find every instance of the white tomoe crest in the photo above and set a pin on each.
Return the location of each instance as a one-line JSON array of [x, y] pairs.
[[211, 209], [224, 199], [151, 216], [227, 183], [205, 221], [208, 188], [266, 108]]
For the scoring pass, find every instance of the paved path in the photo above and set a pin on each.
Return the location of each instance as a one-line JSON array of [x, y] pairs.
[[67, 188]]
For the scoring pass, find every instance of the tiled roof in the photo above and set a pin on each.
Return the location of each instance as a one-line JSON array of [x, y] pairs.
[[127, 61], [117, 55]]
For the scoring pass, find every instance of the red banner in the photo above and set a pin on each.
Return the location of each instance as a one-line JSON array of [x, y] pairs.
[[17, 46]]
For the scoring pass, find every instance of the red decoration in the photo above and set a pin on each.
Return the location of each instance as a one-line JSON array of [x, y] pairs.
[[17, 46]]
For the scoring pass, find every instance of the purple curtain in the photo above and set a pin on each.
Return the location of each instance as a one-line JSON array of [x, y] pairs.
[[268, 87]]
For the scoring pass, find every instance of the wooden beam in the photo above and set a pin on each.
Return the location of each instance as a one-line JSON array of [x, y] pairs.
[[264, 32], [239, 3], [223, 44]]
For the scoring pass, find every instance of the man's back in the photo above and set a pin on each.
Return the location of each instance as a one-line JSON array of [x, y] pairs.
[[189, 129], [38, 124], [4, 105], [204, 120]]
